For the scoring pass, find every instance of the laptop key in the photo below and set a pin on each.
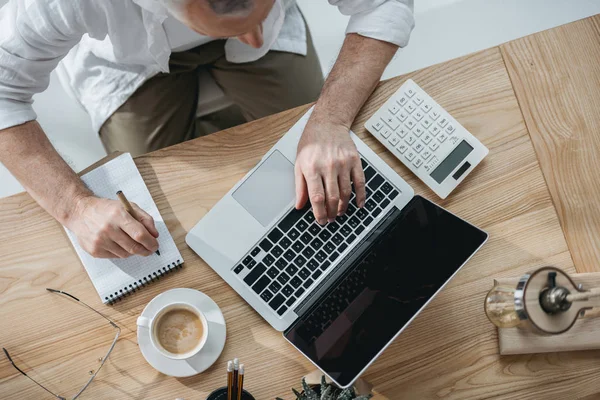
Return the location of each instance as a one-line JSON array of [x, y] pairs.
[[333, 226], [274, 287], [308, 283], [360, 229], [300, 261], [363, 163], [337, 239], [291, 269], [312, 265], [261, 284], [376, 212], [386, 188], [325, 265], [275, 235], [393, 194], [368, 221], [341, 219], [281, 264], [238, 269], [256, 272], [309, 217], [346, 230], [301, 225], [299, 292], [282, 310], [316, 243], [285, 243], [329, 247], [351, 238], [375, 182], [290, 220], [306, 238], [269, 259], [293, 234], [314, 229], [370, 205], [316, 274], [369, 172], [289, 255], [308, 252], [266, 296], [342, 247], [266, 245], [304, 273], [247, 260], [277, 302], [321, 256], [362, 213], [296, 282], [298, 246], [324, 235], [351, 209], [334, 256], [353, 222], [277, 251], [252, 264], [273, 272], [283, 278], [385, 203], [378, 196], [255, 252], [287, 290], [290, 301]]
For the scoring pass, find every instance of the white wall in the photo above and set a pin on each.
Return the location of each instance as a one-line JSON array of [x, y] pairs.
[[445, 29]]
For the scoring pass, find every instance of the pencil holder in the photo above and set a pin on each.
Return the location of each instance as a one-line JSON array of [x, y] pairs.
[[221, 394]]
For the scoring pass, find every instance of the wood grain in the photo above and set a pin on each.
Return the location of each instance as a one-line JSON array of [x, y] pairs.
[[582, 336], [556, 76], [450, 351]]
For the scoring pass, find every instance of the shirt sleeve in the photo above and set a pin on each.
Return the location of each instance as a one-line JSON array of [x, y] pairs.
[[387, 20], [34, 36]]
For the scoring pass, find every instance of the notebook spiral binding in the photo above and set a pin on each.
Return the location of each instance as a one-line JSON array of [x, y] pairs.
[[141, 283]]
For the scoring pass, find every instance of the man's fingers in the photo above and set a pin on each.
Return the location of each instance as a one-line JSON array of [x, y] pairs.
[[332, 195], [117, 248], [123, 240], [138, 232], [316, 192], [345, 191], [146, 219], [301, 189], [358, 180]]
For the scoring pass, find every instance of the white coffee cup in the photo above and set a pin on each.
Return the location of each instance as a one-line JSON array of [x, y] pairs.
[[152, 323]]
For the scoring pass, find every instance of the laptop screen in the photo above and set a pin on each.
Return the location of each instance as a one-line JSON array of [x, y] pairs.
[[422, 248]]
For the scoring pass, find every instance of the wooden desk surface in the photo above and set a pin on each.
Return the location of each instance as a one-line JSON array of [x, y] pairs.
[[534, 103]]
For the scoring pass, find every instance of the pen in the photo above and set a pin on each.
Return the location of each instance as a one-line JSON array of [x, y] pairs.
[[236, 367], [229, 380], [240, 385], [128, 208]]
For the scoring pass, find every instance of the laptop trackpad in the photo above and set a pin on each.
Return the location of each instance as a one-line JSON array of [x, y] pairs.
[[268, 190]]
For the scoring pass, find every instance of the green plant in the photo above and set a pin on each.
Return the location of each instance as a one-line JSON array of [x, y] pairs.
[[326, 392]]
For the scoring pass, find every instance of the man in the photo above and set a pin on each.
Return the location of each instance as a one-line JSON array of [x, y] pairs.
[[134, 66]]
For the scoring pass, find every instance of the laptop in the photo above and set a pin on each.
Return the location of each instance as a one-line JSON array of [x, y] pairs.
[[312, 282]]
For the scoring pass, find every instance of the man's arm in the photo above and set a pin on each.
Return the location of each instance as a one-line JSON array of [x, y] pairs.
[[327, 158], [102, 226]]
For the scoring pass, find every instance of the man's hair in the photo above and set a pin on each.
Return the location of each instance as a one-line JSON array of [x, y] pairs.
[[226, 7]]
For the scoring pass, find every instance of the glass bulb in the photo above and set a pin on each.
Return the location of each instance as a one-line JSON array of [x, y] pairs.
[[500, 307]]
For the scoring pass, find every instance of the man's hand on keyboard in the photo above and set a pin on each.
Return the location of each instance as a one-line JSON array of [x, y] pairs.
[[327, 164], [105, 230]]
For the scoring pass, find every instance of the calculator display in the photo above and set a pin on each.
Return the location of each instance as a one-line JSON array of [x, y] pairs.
[[458, 154]]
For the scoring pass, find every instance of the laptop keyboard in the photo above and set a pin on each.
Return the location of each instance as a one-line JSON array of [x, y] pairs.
[[297, 251]]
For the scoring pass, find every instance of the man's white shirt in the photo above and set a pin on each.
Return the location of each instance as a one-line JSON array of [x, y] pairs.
[[111, 47]]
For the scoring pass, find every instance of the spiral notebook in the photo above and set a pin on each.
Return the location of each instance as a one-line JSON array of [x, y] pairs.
[[118, 278]]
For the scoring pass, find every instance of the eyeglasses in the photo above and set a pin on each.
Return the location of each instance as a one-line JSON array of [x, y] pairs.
[[110, 349]]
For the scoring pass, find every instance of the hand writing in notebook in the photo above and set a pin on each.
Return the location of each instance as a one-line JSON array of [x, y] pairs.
[[106, 230]]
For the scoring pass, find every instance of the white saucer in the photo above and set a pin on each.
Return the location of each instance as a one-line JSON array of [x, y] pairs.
[[211, 350]]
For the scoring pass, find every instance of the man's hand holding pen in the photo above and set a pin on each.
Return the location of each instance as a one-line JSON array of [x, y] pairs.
[[105, 229]]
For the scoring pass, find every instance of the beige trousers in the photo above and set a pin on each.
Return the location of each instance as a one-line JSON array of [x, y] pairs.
[[162, 112]]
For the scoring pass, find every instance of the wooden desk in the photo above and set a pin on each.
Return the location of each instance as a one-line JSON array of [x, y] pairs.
[[534, 102]]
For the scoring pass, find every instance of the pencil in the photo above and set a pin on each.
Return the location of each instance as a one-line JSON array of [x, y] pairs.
[[128, 208], [240, 385], [236, 367], [229, 380]]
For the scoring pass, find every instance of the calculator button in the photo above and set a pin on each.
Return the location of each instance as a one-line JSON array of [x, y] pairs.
[[442, 137], [426, 122], [410, 108], [402, 131], [434, 146], [418, 147], [443, 122], [410, 123], [418, 131], [385, 132], [402, 115], [435, 130], [454, 139], [377, 125], [450, 129], [426, 107], [410, 92], [426, 138], [410, 155], [394, 109], [434, 115], [391, 121], [394, 139], [418, 162], [410, 139], [418, 115], [402, 147], [402, 100], [426, 154], [418, 100], [429, 167]]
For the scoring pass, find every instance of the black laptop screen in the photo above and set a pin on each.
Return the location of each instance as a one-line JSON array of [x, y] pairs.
[[417, 254]]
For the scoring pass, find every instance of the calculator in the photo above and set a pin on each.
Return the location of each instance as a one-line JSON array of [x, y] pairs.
[[421, 134]]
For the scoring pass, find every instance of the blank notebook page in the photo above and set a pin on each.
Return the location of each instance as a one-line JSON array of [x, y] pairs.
[[116, 278]]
